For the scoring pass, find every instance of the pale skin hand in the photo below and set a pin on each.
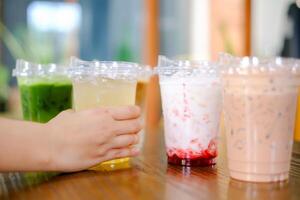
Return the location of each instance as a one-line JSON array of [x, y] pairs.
[[71, 141]]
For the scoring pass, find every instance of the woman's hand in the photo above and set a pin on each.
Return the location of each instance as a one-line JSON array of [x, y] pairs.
[[79, 140]]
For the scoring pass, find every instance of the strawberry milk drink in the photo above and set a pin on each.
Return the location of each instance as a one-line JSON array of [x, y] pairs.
[[191, 101], [260, 99]]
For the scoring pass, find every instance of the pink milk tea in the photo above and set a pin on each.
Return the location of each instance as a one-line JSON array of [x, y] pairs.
[[259, 111], [191, 101]]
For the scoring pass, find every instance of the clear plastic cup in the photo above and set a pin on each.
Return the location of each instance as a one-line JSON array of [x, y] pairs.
[[45, 90], [104, 83], [145, 72], [259, 110], [192, 104], [142, 75]]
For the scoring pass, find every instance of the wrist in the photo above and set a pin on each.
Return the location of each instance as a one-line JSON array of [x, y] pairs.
[[45, 156]]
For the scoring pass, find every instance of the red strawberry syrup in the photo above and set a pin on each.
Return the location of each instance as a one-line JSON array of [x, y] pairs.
[[206, 157]]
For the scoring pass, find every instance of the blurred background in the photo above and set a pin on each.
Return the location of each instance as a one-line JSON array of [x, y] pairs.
[[140, 30]]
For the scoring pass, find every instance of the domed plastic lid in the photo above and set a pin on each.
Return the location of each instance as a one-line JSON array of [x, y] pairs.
[[108, 69], [29, 69], [168, 67], [233, 65]]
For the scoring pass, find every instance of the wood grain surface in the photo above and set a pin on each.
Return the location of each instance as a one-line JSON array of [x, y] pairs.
[[152, 178]]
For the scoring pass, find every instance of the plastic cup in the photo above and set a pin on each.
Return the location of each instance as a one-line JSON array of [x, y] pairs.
[[145, 72], [45, 90], [191, 100], [259, 110], [104, 83], [142, 74]]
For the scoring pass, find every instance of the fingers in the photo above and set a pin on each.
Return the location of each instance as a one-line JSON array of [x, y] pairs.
[[118, 142], [127, 127], [120, 153], [122, 141], [124, 112]]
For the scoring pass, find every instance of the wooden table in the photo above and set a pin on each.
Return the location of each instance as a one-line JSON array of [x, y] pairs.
[[152, 178]]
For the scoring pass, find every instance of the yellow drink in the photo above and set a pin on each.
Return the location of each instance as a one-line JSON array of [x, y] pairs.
[[107, 83], [297, 122], [105, 92], [141, 93]]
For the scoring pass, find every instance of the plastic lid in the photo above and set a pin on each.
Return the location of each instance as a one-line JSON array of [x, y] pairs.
[[232, 65], [109, 69], [170, 67], [25, 68], [145, 72]]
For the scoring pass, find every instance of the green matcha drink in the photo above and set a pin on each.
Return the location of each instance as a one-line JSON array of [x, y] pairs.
[[41, 101], [44, 89]]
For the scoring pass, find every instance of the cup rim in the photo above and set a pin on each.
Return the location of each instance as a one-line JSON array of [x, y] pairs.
[[253, 65], [168, 66], [97, 67], [26, 68]]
